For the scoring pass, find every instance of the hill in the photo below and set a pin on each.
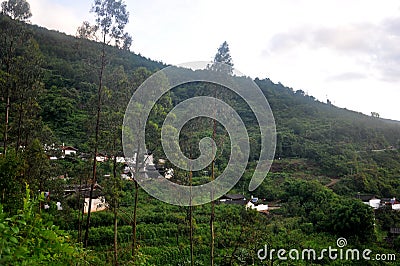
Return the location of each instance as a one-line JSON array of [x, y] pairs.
[[332, 137]]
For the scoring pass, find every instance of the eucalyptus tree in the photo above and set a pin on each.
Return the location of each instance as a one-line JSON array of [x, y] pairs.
[[111, 17], [222, 63], [115, 97], [16, 9], [13, 37]]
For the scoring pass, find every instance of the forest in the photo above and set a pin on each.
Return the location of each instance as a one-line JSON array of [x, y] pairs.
[[63, 100]]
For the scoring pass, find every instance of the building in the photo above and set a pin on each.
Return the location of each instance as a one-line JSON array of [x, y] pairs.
[[68, 151], [233, 199], [370, 200]]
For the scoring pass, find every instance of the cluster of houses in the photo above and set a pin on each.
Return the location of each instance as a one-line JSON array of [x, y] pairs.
[[376, 203], [55, 153], [148, 169]]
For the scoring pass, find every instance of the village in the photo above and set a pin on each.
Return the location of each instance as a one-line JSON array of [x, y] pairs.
[[149, 168], [99, 203]]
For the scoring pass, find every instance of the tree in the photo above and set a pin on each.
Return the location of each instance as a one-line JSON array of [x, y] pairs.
[[27, 238], [222, 63], [222, 60], [15, 40], [37, 166], [11, 185], [111, 18], [112, 120], [375, 114], [16, 9], [87, 31], [28, 87]]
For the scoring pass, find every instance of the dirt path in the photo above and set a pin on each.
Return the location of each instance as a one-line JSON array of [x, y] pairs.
[[333, 182]]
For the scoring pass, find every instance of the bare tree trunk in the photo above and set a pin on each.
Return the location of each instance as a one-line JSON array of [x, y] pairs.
[[191, 218], [96, 142], [212, 217], [115, 203], [134, 220], [19, 126], [8, 102], [115, 236], [134, 242], [6, 122], [79, 216]]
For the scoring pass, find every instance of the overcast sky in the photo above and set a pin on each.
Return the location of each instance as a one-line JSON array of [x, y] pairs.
[[345, 50]]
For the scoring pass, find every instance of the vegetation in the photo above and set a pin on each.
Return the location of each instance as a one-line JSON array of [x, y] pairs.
[[59, 90]]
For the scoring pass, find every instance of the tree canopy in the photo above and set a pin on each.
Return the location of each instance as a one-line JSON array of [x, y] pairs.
[[16, 9], [223, 56]]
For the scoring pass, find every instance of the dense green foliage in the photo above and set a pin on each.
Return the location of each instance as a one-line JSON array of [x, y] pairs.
[[28, 239], [325, 156]]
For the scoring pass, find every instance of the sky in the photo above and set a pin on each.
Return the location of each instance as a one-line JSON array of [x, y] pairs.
[[347, 51]]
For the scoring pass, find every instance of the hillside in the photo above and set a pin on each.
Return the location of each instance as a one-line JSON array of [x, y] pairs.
[[325, 156], [69, 65], [335, 139]]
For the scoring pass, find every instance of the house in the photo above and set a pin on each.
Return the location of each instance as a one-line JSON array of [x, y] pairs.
[[169, 173], [233, 199], [259, 207], [375, 203], [98, 204], [101, 158], [370, 200], [390, 202], [98, 201], [68, 151], [396, 206], [120, 159]]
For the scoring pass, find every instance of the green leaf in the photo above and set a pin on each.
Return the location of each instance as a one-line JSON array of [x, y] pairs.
[[21, 222], [15, 229], [13, 240]]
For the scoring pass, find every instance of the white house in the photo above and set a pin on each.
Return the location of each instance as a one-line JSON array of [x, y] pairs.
[[370, 200], [259, 207], [396, 206], [169, 173], [68, 150], [374, 203], [98, 204], [121, 160], [101, 158]]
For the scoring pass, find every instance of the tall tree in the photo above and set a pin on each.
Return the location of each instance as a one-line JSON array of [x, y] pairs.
[[222, 61], [115, 97], [28, 88], [111, 19], [37, 166], [16, 9], [14, 39]]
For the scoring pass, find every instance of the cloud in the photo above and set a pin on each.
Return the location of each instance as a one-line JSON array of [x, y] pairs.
[[375, 46], [344, 38], [347, 76], [54, 14]]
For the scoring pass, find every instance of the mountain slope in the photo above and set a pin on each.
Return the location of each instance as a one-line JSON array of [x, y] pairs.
[[334, 139]]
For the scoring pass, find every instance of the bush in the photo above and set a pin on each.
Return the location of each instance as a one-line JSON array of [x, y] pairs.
[[26, 239]]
